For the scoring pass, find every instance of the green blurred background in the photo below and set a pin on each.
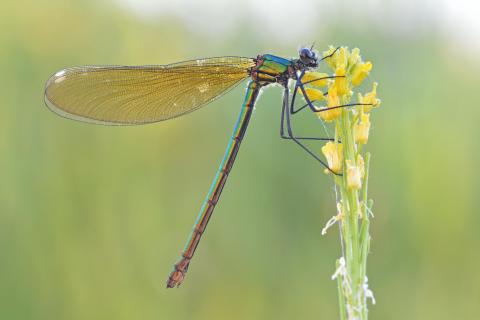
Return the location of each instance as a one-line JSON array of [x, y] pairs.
[[92, 217]]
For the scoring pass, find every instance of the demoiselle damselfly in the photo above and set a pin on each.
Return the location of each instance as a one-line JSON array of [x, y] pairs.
[[133, 95]]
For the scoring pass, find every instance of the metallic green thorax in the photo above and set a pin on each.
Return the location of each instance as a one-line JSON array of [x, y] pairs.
[[270, 67]]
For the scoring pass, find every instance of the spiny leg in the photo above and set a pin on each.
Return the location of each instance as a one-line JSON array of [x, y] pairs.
[[282, 120], [285, 118], [300, 84], [282, 129], [330, 55], [317, 109]]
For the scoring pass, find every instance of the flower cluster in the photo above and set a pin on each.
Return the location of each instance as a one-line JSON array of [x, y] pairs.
[[331, 92]]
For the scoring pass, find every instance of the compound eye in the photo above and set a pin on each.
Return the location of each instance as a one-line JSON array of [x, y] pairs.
[[305, 52]]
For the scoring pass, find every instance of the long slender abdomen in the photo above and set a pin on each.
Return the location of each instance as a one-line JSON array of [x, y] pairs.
[[181, 267]]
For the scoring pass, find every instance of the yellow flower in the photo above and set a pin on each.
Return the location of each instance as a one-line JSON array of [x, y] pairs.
[[354, 57], [314, 94], [309, 78], [332, 97], [354, 175], [338, 59], [362, 129], [360, 71], [332, 101], [341, 57], [341, 81], [331, 60], [370, 98], [333, 152]]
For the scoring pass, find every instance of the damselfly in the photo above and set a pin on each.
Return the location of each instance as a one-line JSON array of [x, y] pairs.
[[120, 95]]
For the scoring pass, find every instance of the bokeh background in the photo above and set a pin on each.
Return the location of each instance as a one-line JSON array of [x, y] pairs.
[[93, 217]]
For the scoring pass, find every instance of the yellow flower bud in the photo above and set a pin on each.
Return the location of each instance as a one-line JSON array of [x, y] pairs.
[[332, 101], [370, 98], [354, 57], [332, 97], [339, 59], [331, 61], [341, 81], [362, 129], [314, 94], [309, 78], [333, 152], [354, 176], [342, 57], [361, 165], [360, 71]]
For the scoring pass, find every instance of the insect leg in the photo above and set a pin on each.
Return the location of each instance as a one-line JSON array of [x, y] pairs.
[[317, 109], [286, 119]]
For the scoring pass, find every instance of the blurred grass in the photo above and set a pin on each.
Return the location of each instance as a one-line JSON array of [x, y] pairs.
[[92, 217]]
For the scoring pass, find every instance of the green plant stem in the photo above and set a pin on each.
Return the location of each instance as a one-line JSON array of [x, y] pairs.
[[354, 227], [341, 298]]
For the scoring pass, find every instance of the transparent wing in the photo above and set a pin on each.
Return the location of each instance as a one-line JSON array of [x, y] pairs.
[[120, 95]]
